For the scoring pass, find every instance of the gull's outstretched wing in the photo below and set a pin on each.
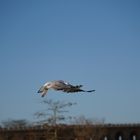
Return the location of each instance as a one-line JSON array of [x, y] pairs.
[[72, 89]]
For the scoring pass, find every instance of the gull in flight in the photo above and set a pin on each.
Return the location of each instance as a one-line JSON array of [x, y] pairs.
[[61, 85]]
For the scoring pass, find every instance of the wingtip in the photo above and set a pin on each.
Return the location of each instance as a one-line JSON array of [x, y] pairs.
[[91, 90]]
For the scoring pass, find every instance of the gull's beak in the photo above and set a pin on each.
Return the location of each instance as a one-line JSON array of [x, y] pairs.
[[41, 89]]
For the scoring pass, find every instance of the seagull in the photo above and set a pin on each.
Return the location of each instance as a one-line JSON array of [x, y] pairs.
[[61, 85]]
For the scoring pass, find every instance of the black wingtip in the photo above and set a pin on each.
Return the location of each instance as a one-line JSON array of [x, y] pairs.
[[91, 90]]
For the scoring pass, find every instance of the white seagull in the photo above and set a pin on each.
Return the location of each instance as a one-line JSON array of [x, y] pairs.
[[61, 85]]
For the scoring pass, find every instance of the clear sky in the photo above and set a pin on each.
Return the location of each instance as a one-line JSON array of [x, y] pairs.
[[91, 42]]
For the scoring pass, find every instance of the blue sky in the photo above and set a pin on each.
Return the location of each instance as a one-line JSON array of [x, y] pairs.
[[94, 43]]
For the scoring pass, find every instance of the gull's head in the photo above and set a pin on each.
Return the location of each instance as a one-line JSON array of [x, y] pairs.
[[48, 85]]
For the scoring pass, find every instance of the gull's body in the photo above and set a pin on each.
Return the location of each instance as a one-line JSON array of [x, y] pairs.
[[61, 85]]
